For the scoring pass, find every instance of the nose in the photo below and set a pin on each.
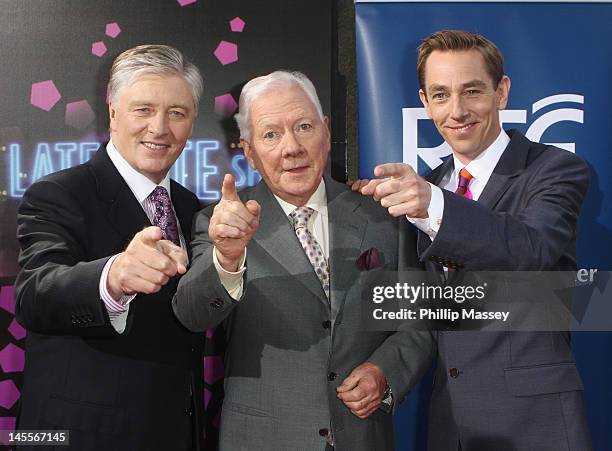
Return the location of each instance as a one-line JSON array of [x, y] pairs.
[[291, 145], [158, 124], [458, 110]]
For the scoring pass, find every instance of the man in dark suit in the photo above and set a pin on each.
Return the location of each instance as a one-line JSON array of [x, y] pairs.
[[501, 203], [105, 357], [279, 266]]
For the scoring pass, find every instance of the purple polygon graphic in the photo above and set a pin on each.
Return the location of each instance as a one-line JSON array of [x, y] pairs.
[[6, 299], [79, 114], [207, 396], [98, 48], [213, 369], [226, 52], [12, 358], [225, 104], [185, 2], [237, 24], [16, 330], [112, 30], [9, 394], [7, 423], [44, 95]]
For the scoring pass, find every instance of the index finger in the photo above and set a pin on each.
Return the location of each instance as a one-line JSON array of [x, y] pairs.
[[175, 253], [150, 235], [228, 189], [393, 169]]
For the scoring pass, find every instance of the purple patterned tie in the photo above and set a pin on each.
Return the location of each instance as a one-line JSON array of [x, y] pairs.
[[164, 216], [464, 180], [300, 217]]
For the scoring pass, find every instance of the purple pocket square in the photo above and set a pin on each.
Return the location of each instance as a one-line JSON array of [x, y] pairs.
[[370, 259]]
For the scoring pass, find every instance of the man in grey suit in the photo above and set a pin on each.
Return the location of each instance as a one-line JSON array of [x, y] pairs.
[[278, 266], [501, 203]]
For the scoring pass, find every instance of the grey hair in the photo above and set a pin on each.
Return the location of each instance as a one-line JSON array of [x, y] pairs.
[[257, 86], [153, 59]]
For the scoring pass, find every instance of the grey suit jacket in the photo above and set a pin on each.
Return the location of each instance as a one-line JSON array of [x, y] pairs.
[[507, 391], [287, 351]]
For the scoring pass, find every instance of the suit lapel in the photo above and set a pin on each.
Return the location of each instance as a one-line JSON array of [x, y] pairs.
[[277, 237], [511, 164], [125, 213], [346, 232]]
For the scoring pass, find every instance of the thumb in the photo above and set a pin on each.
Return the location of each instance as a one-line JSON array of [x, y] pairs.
[[349, 383], [253, 207], [151, 235], [228, 190]]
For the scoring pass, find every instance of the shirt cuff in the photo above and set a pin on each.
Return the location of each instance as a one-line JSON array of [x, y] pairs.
[[114, 307], [435, 212], [231, 281]]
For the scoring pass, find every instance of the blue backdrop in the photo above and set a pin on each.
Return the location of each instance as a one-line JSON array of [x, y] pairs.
[[559, 58]]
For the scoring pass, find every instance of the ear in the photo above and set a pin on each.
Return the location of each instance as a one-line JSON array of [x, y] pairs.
[[112, 113], [503, 91], [248, 152], [423, 97], [327, 129]]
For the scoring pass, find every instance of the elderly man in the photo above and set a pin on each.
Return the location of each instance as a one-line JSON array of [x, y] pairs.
[[277, 265], [102, 245], [500, 203]]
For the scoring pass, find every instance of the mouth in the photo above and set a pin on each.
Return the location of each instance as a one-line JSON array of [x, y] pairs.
[[297, 170], [155, 146], [462, 129]]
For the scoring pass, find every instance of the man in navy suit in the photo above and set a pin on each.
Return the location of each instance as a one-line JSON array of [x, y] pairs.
[[501, 203], [102, 246]]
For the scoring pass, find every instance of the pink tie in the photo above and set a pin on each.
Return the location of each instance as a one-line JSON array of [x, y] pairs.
[[464, 180]]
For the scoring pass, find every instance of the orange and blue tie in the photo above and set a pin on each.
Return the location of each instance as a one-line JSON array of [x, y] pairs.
[[464, 181]]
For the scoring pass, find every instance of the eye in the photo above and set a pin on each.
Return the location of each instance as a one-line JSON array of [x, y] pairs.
[[472, 92], [269, 135], [438, 96], [305, 126], [177, 114], [142, 110]]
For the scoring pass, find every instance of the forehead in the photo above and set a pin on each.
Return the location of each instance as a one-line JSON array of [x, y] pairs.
[[281, 104], [444, 67], [158, 88]]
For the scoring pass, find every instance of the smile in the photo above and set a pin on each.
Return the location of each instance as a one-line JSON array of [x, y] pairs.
[[463, 128], [153, 146]]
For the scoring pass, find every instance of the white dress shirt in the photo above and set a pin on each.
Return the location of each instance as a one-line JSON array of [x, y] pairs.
[[142, 187], [481, 169], [317, 225]]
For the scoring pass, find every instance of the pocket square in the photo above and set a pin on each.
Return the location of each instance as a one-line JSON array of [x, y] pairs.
[[369, 259]]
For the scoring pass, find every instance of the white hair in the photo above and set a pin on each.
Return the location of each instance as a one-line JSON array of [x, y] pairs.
[[153, 59], [257, 86]]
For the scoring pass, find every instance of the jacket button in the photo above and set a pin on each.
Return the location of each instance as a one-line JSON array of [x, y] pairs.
[[188, 412], [326, 324], [323, 432], [332, 376], [217, 303], [454, 373]]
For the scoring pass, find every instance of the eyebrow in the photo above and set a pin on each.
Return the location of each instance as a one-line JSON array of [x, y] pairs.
[[150, 104], [476, 83]]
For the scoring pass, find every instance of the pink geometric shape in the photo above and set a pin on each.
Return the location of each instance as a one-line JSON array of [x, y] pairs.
[[79, 114], [207, 396], [6, 299], [112, 30], [226, 52], [213, 369], [210, 333], [225, 104], [237, 24], [12, 358], [44, 95], [9, 394], [185, 2], [7, 423], [16, 330], [98, 48]]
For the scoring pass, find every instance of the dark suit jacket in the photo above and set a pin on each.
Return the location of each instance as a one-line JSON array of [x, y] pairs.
[[129, 391], [507, 391], [287, 350]]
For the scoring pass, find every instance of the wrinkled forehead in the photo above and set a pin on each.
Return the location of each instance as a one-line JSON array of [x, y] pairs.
[[282, 104]]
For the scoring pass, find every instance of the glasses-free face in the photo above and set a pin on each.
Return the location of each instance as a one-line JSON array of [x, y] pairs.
[[461, 99], [151, 122], [289, 143]]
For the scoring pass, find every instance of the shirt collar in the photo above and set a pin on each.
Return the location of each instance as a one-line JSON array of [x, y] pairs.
[[318, 201], [482, 166], [140, 185]]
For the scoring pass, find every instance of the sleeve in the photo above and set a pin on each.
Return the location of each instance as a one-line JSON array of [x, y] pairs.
[[435, 214], [201, 301], [533, 237], [117, 309], [57, 289], [231, 281]]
